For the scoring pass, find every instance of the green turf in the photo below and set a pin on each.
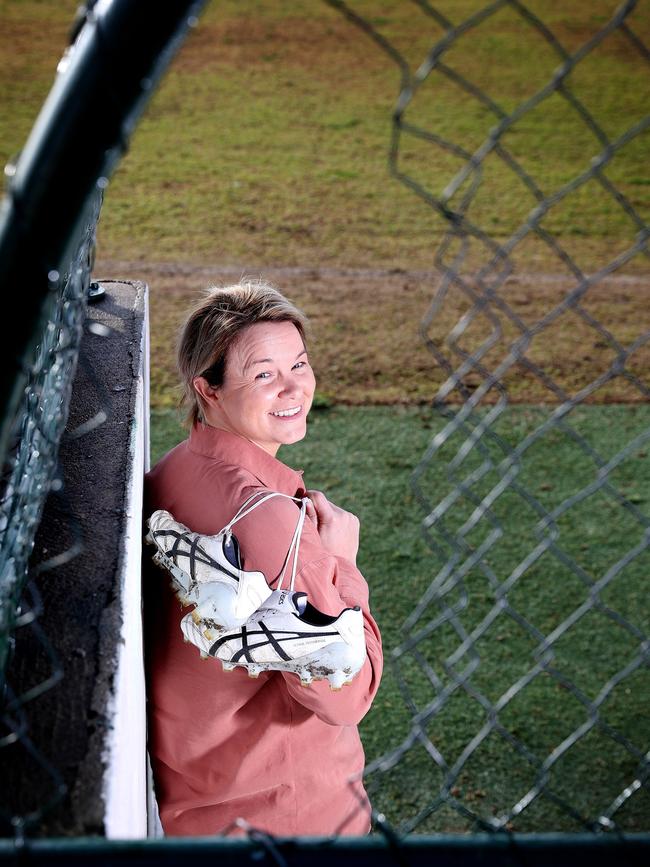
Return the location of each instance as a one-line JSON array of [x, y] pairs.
[[362, 458], [267, 141]]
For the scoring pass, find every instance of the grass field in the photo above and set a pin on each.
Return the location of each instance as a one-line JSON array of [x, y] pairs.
[[365, 342], [363, 457], [264, 152], [266, 144]]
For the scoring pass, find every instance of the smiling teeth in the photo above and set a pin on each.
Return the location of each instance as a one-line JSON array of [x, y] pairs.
[[285, 412]]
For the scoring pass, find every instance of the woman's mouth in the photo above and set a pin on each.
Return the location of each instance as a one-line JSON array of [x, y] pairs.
[[287, 413]]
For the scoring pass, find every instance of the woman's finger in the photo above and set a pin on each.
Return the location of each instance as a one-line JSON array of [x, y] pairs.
[[323, 507], [311, 511], [317, 500]]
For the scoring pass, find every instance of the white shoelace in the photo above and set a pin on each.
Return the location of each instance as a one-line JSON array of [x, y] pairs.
[[249, 505]]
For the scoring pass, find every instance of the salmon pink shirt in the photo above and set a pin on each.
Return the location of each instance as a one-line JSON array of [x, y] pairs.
[[286, 758]]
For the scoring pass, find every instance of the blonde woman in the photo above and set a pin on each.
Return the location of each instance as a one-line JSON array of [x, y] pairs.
[[282, 755]]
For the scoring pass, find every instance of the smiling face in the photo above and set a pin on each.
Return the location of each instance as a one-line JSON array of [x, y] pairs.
[[267, 390]]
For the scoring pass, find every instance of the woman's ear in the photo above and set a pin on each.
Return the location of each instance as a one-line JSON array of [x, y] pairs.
[[206, 392]]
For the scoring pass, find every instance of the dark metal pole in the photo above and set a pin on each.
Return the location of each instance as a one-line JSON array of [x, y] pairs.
[[103, 84]]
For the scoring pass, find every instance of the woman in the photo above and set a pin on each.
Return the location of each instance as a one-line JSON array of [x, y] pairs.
[[284, 756]]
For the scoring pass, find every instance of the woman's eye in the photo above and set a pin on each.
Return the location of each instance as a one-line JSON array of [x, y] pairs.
[[299, 364], [264, 375]]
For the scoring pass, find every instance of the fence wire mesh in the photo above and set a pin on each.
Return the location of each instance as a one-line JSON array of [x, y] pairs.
[[569, 731], [534, 630], [30, 474]]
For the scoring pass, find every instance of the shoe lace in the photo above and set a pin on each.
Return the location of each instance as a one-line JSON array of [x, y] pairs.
[[294, 546], [257, 499]]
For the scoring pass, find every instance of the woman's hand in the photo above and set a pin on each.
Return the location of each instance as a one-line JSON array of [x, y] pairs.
[[338, 529]]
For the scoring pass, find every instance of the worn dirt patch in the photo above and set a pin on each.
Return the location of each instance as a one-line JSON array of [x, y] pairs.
[[367, 347], [293, 41]]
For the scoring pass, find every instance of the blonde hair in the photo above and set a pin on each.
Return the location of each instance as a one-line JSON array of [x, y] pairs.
[[213, 326]]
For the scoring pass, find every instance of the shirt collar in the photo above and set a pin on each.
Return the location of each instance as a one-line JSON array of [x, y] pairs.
[[232, 449]]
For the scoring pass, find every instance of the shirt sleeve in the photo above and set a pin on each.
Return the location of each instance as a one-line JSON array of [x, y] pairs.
[[332, 583]]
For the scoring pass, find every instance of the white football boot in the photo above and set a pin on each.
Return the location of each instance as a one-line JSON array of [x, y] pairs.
[[288, 634], [206, 570]]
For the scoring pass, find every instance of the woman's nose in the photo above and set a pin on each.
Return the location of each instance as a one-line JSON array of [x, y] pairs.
[[289, 385]]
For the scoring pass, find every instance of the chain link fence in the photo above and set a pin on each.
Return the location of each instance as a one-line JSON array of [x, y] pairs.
[[534, 628], [564, 743], [30, 473]]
